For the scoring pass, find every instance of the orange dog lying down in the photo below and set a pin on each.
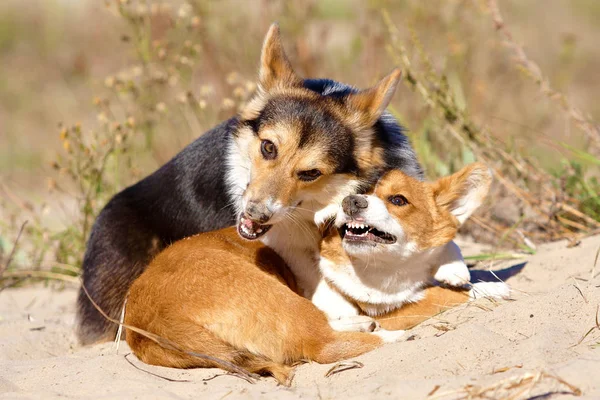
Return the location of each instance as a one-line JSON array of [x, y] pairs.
[[232, 299]]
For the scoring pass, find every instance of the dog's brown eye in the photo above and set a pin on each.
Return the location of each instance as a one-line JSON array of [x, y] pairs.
[[268, 149], [398, 200], [309, 175]]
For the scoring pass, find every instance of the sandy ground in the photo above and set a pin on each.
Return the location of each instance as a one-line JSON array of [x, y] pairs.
[[514, 348]]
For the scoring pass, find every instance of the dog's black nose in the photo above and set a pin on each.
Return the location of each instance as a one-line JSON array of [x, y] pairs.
[[258, 212], [354, 204]]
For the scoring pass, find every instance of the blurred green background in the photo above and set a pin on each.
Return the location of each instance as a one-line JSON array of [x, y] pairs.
[[148, 77]]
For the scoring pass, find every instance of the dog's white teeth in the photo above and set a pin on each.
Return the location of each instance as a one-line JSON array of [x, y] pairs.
[[247, 231], [361, 226], [258, 230]]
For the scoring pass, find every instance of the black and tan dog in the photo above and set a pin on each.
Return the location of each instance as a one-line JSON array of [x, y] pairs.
[[298, 146]]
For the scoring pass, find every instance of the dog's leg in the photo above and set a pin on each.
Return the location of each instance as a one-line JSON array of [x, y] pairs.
[[389, 336], [343, 345], [324, 214], [436, 300], [452, 269], [332, 303], [343, 316], [357, 323]]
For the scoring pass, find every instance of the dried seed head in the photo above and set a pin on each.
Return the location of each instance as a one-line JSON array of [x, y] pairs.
[[239, 92], [161, 107], [130, 122], [250, 86], [206, 90], [232, 78], [228, 103], [51, 184], [182, 98], [184, 11]]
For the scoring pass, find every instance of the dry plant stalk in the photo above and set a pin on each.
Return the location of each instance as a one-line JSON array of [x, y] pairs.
[[515, 387], [4, 267], [152, 373], [531, 69], [343, 366], [517, 175]]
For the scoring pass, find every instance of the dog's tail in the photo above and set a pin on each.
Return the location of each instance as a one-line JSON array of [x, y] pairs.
[[153, 353]]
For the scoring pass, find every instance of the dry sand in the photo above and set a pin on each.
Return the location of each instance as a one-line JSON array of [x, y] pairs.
[[510, 348]]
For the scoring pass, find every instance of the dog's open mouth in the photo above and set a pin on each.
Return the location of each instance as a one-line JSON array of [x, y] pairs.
[[251, 230], [359, 232]]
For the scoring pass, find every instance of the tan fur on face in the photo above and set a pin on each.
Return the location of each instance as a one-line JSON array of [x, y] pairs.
[[428, 219], [277, 180]]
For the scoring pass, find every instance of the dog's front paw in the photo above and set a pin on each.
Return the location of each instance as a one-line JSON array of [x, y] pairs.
[[325, 214], [354, 323], [454, 274], [389, 336]]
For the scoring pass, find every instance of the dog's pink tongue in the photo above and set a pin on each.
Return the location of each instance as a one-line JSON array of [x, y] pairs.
[[247, 223]]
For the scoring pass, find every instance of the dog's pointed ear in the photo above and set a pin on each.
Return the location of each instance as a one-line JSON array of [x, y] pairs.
[[370, 103], [463, 192], [275, 68]]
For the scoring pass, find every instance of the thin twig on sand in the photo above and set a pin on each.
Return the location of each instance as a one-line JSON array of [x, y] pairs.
[[514, 387]]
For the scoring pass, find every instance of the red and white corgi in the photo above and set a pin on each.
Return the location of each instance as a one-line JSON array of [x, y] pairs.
[[386, 247], [220, 295]]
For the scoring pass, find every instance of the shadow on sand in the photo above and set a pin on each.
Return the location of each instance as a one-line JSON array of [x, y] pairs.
[[479, 275]]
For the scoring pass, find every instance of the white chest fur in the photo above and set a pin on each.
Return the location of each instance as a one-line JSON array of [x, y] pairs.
[[378, 286], [297, 241]]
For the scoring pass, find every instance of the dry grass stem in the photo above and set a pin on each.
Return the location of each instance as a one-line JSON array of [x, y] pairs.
[[152, 373], [531, 186], [593, 273], [533, 70], [40, 275], [343, 366], [514, 387], [4, 267]]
